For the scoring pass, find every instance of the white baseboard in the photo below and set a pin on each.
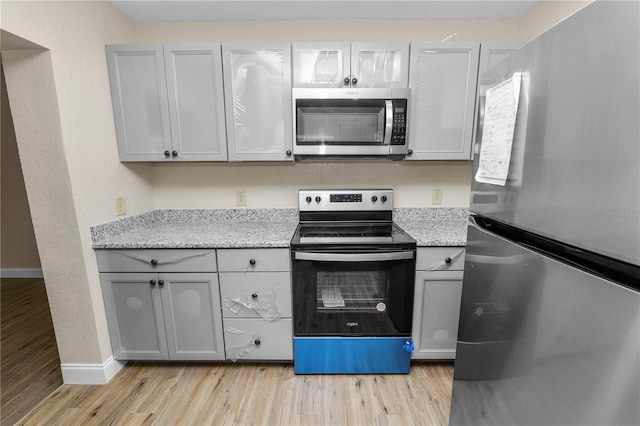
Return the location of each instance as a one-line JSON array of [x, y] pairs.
[[21, 273], [91, 374]]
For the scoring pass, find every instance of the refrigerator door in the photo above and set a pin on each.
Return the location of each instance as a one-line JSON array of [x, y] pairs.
[[541, 342], [575, 160]]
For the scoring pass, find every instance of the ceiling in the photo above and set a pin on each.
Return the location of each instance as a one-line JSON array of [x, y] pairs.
[[250, 10]]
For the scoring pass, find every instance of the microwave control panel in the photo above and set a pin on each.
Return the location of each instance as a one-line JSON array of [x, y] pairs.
[[399, 131]]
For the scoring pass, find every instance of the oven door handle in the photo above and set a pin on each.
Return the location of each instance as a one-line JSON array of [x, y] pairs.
[[354, 257]]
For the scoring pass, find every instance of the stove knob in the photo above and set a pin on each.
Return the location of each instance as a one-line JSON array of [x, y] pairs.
[[318, 199], [383, 198], [374, 199], [308, 199]]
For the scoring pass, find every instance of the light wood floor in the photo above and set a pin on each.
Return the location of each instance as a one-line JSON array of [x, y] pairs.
[[251, 394], [30, 366]]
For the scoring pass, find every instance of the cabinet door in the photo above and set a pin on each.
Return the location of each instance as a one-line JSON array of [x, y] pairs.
[[442, 79], [140, 106], [134, 314], [436, 313], [321, 64], [193, 321], [257, 87], [380, 65], [258, 339], [196, 102], [255, 294]]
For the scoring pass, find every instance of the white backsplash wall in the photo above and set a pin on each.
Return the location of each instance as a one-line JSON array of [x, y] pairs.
[[275, 185]]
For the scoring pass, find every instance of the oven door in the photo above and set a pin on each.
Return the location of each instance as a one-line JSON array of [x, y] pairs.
[[353, 292]]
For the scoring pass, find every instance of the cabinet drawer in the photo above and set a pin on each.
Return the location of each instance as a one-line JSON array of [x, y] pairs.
[[435, 259], [141, 260], [255, 295], [249, 260], [258, 339]]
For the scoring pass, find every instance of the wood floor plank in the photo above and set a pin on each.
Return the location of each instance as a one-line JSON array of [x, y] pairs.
[[252, 394], [30, 365]]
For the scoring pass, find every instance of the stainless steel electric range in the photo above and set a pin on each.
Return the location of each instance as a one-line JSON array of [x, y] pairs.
[[353, 283]]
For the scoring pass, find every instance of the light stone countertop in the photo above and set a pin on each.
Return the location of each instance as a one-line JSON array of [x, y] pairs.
[[257, 228]]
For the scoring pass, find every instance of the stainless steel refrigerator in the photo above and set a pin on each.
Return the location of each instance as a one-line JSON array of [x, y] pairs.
[[550, 315]]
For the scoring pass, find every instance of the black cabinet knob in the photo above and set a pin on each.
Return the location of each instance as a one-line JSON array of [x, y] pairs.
[[154, 262], [160, 282], [447, 260], [252, 262], [174, 153], [288, 153], [167, 153], [152, 282], [354, 81], [254, 296], [346, 81], [410, 152], [257, 342]]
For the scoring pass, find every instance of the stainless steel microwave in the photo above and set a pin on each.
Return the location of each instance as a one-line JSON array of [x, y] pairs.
[[350, 123]]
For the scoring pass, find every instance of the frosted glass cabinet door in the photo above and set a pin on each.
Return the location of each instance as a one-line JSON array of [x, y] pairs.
[[192, 315], [442, 78], [321, 64], [134, 315], [380, 65], [257, 86], [140, 106], [196, 102], [436, 314]]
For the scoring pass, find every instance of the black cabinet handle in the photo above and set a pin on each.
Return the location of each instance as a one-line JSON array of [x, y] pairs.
[[160, 282], [167, 153], [174, 153], [252, 262], [346, 81], [154, 262], [257, 342], [152, 282], [354, 81], [254, 296], [447, 260], [410, 152], [288, 153]]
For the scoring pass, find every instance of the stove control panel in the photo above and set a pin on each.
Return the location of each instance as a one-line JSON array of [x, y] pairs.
[[345, 199]]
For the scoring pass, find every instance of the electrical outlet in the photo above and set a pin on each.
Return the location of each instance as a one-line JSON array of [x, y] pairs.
[[241, 198], [436, 197], [121, 206]]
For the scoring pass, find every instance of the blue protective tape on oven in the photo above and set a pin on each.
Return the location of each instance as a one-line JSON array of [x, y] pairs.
[[408, 345]]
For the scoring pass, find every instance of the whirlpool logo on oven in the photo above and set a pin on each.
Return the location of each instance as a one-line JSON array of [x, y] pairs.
[[352, 324]]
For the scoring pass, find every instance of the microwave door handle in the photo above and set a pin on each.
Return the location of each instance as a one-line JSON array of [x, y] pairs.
[[354, 257], [388, 122]]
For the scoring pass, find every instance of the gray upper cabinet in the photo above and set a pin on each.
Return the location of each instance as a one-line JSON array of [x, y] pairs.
[[443, 79], [196, 102], [167, 102], [257, 93], [140, 105], [350, 64]]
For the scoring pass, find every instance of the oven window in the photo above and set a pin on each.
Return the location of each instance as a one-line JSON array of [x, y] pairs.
[[340, 122], [353, 298]]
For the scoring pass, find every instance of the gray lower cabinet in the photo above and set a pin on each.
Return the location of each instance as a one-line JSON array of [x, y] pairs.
[[255, 288], [158, 315], [436, 309]]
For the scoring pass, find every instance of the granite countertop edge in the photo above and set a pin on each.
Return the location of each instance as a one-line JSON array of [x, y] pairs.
[[257, 228]]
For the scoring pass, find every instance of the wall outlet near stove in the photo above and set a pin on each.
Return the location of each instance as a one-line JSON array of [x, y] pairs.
[[241, 198], [121, 206], [436, 197]]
